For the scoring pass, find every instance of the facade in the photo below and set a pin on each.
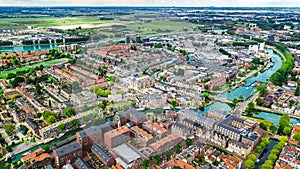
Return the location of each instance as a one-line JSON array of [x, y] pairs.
[[182, 130], [131, 115], [141, 135], [231, 126], [242, 149], [192, 115], [117, 136], [166, 143], [67, 154]]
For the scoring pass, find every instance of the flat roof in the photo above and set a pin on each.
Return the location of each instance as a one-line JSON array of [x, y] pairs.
[[126, 153]]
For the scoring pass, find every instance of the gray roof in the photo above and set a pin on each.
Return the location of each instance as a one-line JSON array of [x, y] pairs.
[[240, 144], [32, 124], [81, 164], [199, 117], [132, 112], [95, 129], [182, 127], [104, 154], [224, 124], [68, 148]]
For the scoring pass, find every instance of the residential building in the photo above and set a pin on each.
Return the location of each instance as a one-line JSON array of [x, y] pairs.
[[166, 143], [240, 148], [142, 82], [289, 157], [67, 154], [103, 155], [142, 136], [155, 128], [95, 134], [117, 136], [182, 130], [192, 115], [130, 115], [32, 126], [229, 162], [81, 164]]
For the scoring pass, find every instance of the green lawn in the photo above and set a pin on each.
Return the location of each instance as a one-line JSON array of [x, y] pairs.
[[22, 23], [153, 26], [3, 75]]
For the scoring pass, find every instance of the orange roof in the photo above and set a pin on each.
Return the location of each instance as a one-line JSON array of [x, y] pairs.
[[41, 157], [32, 155], [177, 162], [117, 131], [141, 132]]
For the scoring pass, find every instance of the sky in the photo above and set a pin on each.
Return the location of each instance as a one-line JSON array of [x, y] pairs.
[[191, 3]]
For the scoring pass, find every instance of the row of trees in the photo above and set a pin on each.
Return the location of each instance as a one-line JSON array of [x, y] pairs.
[[264, 142], [100, 92], [269, 163], [280, 77]]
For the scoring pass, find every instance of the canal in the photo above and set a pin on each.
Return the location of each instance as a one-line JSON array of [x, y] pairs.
[[10, 49]]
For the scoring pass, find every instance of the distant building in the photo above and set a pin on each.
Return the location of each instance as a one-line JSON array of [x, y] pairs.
[[194, 116], [127, 39], [182, 130], [74, 47], [138, 39], [103, 155], [146, 40], [142, 82], [62, 48]]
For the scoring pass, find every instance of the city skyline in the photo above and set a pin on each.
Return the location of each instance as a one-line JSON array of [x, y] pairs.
[[188, 3]]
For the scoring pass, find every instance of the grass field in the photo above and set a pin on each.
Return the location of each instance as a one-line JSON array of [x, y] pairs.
[[22, 23], [3, 75], [152, 27]]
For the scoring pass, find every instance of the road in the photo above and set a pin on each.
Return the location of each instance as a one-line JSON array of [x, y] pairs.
[[242, 106]]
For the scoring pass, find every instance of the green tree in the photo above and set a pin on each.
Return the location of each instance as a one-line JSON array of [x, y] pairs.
[[146, 164], [258, 149], [297, 137], [252, 157], [256, 60], [62, 127], [272, 157], [188, 142], [51, 119], [10, 129], [273, 128], [157, 159], [259, 101], [178, 148], [69, 111], [235, 101], [251, 105], [287, 130], [262, 89], [173, 103], [47, 148], [249, 164], [168, 154], [74, 122]]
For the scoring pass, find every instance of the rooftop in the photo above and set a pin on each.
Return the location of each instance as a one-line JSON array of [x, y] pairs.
[[66, 149], [126, 153], [101, 152], [81, 164]]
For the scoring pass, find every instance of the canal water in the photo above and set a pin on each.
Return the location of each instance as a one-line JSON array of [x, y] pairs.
[[247, 91], [10, 49]]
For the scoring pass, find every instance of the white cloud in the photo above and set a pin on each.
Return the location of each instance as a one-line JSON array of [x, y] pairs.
[[196, 3]]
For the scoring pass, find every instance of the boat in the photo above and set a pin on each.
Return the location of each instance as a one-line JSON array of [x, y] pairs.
[[82, 126], [60, 135], [26, 153], [247, 88], [48, 140]]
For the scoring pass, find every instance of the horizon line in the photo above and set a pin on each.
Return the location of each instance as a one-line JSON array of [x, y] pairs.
[[153, 6]]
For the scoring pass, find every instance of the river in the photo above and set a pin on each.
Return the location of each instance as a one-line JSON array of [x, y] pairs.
[[10, 49]]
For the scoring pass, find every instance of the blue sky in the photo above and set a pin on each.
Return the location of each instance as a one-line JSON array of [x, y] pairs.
[[199, 3]]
